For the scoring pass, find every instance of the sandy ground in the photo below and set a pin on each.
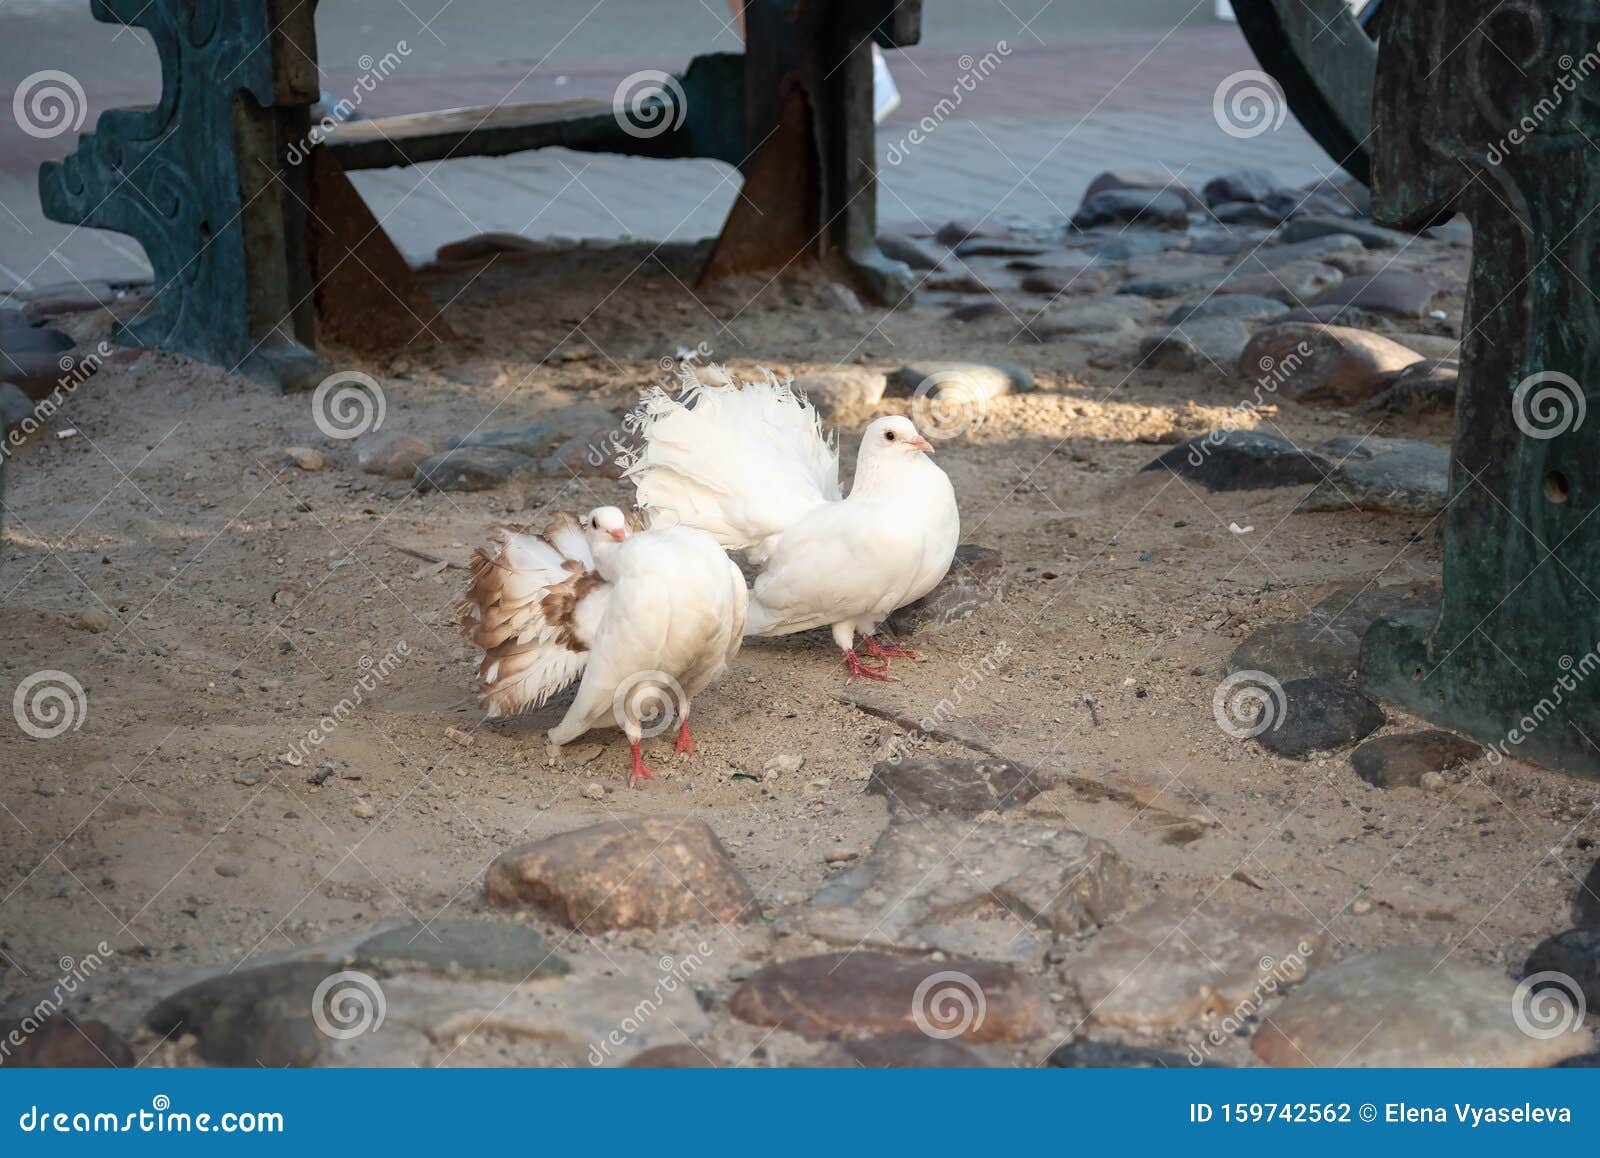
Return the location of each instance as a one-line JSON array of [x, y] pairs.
[[243, 593]]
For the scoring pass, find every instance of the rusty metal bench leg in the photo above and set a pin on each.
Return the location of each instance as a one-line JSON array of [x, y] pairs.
[[1470, 114], [810, 190], [202, 181]]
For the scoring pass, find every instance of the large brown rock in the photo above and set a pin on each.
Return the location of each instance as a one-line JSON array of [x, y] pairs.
[[1307, 362], [63, 1043], [845, 995], [954, 786], [1172, 962], [1411, 1007], [625, 874]]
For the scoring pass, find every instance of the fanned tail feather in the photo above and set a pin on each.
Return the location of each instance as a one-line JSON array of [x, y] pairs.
[[740, 462], [530, 607]]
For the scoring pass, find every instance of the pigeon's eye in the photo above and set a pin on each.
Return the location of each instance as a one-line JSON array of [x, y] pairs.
[[889, 437]]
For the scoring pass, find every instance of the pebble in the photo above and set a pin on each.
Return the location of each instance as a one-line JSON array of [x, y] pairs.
[[1239, 185], [594, 791], [1298, 650], [1097, 1055], [1307, 362], [1172, 962], [649, 873], [93, 620], [390, 454], [898, 247], [1150, 180], [228, 868], [909, 894], [249, 777], [1245, 307], [457, 736], [472, 468], [1201, 344], [782, 765], [848, 995], [1410, 1007], [305, 458], [1397, 293], [829, 390], [1320, 715], [953, 786], [364, 809], [974, 380], [1394, 475], [1401, 761], [1306, 226], [1426, 387], [1133, 206], [1241, 460]]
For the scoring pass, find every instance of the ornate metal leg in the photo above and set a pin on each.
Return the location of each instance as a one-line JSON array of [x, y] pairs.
[[810, 189], [1324, 61], [1474, 111], [205, 183]]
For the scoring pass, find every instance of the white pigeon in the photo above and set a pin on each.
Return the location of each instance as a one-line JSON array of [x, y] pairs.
[[750, 466], [648, 618]]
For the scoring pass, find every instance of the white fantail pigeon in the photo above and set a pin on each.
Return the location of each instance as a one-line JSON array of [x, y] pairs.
[[648, 618], [749, 465]]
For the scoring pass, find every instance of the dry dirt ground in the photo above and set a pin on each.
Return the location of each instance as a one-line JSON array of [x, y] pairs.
[[241, 597]]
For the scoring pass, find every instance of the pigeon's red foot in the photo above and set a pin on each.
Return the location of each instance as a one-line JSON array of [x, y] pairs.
[[853, 665], [887, 651], [640, 770], [685, 744]]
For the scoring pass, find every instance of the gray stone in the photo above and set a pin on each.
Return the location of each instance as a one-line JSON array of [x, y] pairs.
[[1149, 180], [1234, 243], [19, 335], [649, 873], [953, 233], [1306, 226], [1172, 963], [1323, 364], [1134, 206], [828, 390], [532, 439], [957, 279], [998, 247], [1242, 460], [1291, 284], [1576, 955], [1126, 246], [496, 949], [1213, 343], [1394, 475], [1243, 306], [898, 247], [390, 453], [1319, 715], [929, 882], [594, 457], [1290, 203], [472, 468], [1239, 185], [1402, 760], [15, 406], [1329, 316], [981, 379], [1176, 284], [1356, 609], [1298, 650], [1247, 213], [1586, 904], [1397, 293], [1108, 317], [1267, 257], [975, 580], [860, 994], [1425, 387], [954, 786], [1059, 280], [260, 1016], [1407, 1008]]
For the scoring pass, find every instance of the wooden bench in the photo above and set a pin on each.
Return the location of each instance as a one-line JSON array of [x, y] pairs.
[[263, 250]]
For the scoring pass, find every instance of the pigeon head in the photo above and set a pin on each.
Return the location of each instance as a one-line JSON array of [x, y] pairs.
[[893, 437], [606, 524]]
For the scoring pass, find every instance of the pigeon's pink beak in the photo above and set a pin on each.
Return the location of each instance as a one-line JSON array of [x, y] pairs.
[[922, 444], [618, 536]]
